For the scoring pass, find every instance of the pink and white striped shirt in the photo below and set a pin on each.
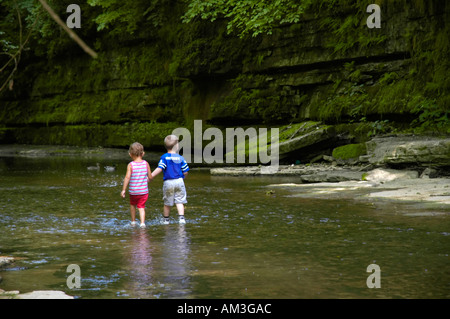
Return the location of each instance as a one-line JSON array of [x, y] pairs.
[[139, 178]]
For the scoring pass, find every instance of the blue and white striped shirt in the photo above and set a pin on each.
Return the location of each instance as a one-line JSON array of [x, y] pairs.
[[173, 166]]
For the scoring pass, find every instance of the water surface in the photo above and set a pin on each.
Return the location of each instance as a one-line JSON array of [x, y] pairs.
[[239, 241]]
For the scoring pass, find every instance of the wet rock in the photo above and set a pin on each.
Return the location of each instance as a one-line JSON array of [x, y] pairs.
[[332, 176], [319, 135], [307, 173], [429, 193], [409, 150], [8, 294], [38, 294], [380, 175], [432, 191], [44, 294], [4, 260], [429, 173]]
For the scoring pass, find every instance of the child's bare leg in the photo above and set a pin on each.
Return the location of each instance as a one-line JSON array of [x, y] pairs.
[[180, 208], [133, 212], [142, 215], [166, 212]]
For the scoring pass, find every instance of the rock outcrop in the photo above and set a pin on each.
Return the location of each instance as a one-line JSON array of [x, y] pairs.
[[387, 175], [316, 137], [307, 174], [409, 150]]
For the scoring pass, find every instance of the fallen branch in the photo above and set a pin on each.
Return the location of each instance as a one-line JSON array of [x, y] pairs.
[[71, 33]]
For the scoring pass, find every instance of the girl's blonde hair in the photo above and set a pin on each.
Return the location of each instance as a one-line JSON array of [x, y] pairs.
[[136, 149]]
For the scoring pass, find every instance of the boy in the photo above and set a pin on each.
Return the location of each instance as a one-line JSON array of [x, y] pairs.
[[138, 175], [175, 169]]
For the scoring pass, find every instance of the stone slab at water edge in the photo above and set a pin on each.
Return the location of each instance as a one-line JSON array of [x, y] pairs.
[[5, 260], [409, 150], [380, 185], [313, 173], [38, 294]]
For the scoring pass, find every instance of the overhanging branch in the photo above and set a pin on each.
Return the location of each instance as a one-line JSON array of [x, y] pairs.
[[71, 33]]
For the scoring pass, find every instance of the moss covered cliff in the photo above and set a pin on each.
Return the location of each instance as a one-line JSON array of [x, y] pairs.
[[327, 67]]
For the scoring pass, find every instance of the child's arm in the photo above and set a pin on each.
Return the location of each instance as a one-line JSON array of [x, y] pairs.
[[184, 167], [156, 171], [126, 180], [149, 171]]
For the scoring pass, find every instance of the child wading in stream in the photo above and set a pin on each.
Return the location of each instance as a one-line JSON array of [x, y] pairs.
[[137, 177], [175, 169]]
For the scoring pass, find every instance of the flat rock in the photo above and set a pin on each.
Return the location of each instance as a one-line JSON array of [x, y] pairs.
[[434, 191], [425, 151], [382, 175], [44, 294], [5, 260], [307, 174]]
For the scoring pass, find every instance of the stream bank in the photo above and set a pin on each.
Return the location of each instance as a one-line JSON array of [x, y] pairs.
[[420, 169]]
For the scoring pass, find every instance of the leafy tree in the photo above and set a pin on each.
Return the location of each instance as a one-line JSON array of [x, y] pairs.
[[118, 16], [248, 17]]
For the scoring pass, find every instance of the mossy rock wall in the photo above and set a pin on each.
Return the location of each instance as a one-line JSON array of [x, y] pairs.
[[330, 68]]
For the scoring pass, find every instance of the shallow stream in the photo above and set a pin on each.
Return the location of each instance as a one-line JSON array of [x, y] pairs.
[[240, 240]]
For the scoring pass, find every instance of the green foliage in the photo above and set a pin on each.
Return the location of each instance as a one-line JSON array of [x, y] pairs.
[[379, 127], [14, 35], [352, 102], [388, 78], [431, 117], [47, 38], [248, 101], [120, 17], [430, 54], [248, 17], [349, 31], [13, 15], [108, 135]]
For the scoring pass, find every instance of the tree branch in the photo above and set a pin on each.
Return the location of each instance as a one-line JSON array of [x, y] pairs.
[[9, 78], [16, 56], [71, 33]]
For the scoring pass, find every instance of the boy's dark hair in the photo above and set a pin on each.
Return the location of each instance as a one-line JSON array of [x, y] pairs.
[[136, 149], [170, 141]]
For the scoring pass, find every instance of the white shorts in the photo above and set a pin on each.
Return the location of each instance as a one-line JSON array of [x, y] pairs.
[[174, 192]]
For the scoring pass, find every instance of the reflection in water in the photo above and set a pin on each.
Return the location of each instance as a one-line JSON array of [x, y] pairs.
[[175, 261], [141, 263], [159, 267]]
